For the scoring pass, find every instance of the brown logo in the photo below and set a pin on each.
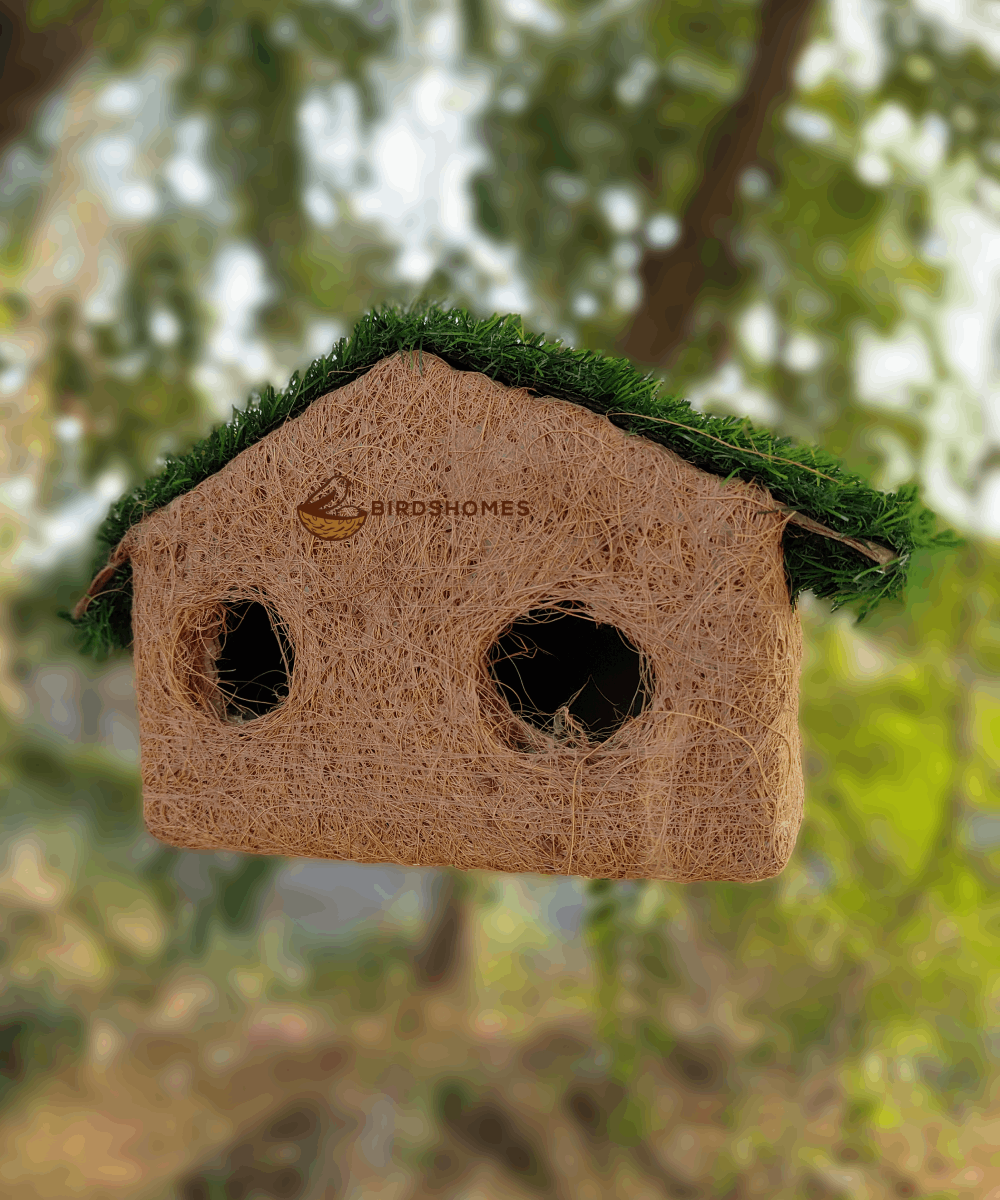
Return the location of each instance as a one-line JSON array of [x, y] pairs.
[[324, 514]]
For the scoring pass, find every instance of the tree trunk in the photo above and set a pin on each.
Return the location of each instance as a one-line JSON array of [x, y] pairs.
[[673, 279], [34, 62]]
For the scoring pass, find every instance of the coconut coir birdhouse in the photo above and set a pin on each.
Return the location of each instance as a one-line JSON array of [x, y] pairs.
[[466, 597]]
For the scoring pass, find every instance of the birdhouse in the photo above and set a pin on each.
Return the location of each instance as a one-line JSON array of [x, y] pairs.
[[463, 596]]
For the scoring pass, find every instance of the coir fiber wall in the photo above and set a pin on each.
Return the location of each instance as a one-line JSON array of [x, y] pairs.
[[393, 743]]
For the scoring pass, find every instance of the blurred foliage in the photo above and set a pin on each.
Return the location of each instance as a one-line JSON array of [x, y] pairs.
[[879, 941], [831, 1032]]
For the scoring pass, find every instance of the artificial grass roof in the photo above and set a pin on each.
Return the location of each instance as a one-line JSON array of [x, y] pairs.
[[807, 480]]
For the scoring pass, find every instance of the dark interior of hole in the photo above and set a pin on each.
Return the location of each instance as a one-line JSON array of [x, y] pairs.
[[539, 667], [253, 676]]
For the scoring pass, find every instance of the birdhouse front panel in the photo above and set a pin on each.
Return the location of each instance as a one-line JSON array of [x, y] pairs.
[[437, 620]]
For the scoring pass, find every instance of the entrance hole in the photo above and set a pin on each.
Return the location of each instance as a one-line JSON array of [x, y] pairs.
[[551, 665], [255, 661]]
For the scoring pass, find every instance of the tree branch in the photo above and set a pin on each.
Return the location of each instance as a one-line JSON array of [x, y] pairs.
[[438, 958], [673, 279]]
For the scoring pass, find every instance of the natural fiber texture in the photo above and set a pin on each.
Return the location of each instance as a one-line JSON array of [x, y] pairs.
[[393, 744]]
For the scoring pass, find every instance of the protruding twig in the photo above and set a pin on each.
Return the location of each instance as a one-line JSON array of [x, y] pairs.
[[104, 576], [881, 554]]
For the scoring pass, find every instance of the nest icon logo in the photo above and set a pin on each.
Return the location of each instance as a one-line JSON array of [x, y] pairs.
[[326, 516]]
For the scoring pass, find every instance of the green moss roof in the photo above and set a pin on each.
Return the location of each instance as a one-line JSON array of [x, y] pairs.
[[806, 479]]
